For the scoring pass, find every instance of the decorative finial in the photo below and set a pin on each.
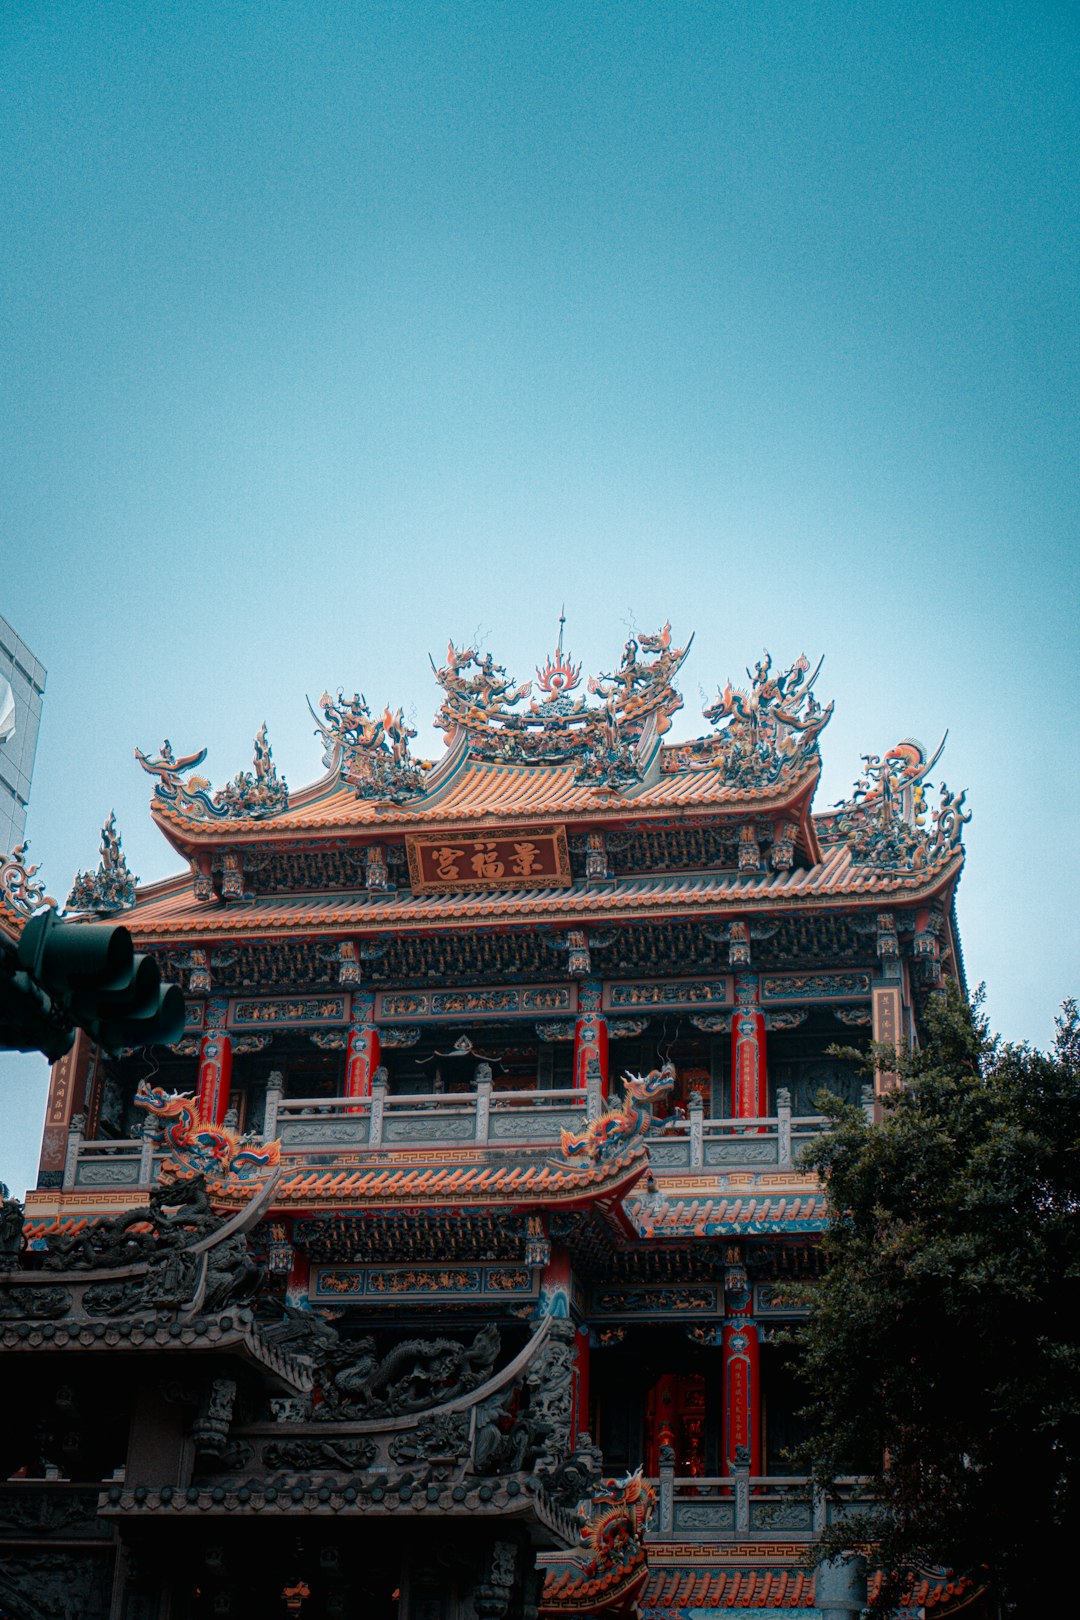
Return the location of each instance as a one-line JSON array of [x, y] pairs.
[[560, 675], [112, 886]]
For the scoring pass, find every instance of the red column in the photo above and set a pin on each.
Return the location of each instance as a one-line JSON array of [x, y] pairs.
[[741, 1351], [296, 1289], [590, 1035], [67, 1092], [362, 1056], [215, 1077], [749, 1077], [581, 1385]]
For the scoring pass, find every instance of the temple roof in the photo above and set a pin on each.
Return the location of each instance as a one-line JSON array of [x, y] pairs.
[[512, 753], [535, 1181], [547, 772], [470, 790]]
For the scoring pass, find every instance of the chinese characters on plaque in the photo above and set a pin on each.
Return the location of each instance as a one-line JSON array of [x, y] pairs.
[[533, 858]]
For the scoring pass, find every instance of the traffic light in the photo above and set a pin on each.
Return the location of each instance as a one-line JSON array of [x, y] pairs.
[[86, 975]]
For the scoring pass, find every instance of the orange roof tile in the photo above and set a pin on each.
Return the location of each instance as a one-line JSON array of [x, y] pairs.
[[468, 790], [536, 1182], [669, 1590]]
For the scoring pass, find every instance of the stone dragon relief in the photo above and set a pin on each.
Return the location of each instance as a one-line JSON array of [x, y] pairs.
[[251, 795], [416, 1374], [168, 1260], [437, 1403]]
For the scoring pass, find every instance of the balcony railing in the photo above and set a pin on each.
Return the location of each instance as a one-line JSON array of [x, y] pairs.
[[697, 1143], [410, 1119], [741, 1505], [316, 1128]]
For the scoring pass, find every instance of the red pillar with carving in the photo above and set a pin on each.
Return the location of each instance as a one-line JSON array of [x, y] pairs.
[[749, 1076], [362, 1053], [215, 1077], [741, 1352], [590, 1036]]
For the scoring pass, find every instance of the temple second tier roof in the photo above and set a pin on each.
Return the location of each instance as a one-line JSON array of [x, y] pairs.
[[170, 910]]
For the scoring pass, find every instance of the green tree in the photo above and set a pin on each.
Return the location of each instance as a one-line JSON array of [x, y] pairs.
[[942, 1351]]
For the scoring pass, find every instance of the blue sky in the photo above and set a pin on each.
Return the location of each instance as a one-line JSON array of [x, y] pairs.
[[329, 331]]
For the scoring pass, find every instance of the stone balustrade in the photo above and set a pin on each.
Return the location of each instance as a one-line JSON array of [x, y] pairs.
[[741, 1506]]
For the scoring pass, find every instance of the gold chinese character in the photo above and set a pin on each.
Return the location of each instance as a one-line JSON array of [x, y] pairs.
[[486, 862], [526, 859], [446, 860]]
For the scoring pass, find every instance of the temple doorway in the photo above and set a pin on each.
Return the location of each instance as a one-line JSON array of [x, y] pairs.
[[675, 1416]]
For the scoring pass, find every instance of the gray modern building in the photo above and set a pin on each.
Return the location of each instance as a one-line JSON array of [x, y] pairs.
[[22, 687]]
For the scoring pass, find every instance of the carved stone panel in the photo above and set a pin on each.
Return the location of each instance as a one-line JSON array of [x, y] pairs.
[[436, 1128], [518, 1125], [351, 1132], [780, 1516], [704, 1515], [669, 1155], [740, 1150], [108, 1172]]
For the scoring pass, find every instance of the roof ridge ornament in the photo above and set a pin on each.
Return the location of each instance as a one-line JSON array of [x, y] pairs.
[[885, 821], [250, 796], [20, 893], [112, 887], [371, 754], [559, 676], [764, 733], [603, 739]]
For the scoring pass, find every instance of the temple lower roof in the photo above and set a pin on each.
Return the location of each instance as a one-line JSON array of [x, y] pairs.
[[170, 909]]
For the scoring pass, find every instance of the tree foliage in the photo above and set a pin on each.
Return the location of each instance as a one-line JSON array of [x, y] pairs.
[[942, 1351]]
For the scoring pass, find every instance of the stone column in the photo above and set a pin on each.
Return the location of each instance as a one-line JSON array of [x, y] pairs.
[[741, 1351], [749, 1078], [840, 1585], [215, 1077], [590, 1036], [362, 1052]]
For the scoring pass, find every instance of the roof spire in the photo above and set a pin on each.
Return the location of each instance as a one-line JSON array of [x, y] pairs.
[[559, 675]]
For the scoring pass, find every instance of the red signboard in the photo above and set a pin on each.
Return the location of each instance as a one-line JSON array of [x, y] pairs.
[[532, 858]]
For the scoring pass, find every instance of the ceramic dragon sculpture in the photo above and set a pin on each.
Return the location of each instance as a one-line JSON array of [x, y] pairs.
[[612, 1533], [198, 1145], [619, 1128]]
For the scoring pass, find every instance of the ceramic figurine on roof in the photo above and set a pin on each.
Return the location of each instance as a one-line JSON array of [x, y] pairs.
[[251, 795], [559, 677], [619, 1128], [765, 734], [112, 887], [372, 755], [603, 739], [885, 820], [199, 1145], [20, 893], [474, 701], [614, 1532]]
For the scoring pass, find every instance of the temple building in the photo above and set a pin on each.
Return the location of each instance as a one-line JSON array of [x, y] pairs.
[[440, 1271]]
